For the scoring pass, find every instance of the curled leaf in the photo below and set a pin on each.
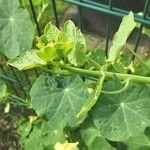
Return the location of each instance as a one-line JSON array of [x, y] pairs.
[[126, 27]]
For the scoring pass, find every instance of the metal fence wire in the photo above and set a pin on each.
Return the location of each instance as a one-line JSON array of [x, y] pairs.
[[21, 80]]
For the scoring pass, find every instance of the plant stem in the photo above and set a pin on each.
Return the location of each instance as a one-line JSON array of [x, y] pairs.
[[134, 78]]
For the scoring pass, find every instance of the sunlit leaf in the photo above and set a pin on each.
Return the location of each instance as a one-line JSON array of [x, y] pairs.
[[3, 90], [54, 44], [77, 55], [27, 60], [51, 32], [126, 27], [66, 146]]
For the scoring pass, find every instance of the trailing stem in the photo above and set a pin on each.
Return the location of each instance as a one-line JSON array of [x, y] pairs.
[[130, 77]]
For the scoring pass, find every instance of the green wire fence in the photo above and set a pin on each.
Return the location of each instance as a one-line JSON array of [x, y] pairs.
[[22, 82]]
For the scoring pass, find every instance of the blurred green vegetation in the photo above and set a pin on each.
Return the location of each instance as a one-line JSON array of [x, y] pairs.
[[45, 11]]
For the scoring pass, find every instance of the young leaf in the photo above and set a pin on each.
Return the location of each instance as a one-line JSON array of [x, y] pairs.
[[77, 55], [3, 90], [51, 32], [126, 27], [54, 44], [59, 100], [27, 60], [16, 29], [123, 115]]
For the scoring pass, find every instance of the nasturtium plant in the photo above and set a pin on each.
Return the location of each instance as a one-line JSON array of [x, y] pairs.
[[123, 115], [40, 135], [3, 90], [141, 142], [121, 36], [93, 138], [16, 32], [84, 93], [27, 60], [59, 100]]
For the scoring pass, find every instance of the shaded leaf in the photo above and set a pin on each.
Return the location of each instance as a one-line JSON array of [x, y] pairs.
[[141, 142], [16, 30], [43, 135], [126, 27], [119, 67], [59, 100], [27, 60], [92, 137], [77, 55], [124, 115], [99, 56]]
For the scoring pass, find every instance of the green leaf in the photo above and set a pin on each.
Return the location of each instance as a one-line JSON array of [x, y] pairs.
[[54, 44], [126, 27], [27, 60], [99, 56], [35, 2], [124, 115], [141, 142], [42, 136], [51, 32], [59, 100], [118, 66], [92, 137], [3, 90], [77, 55], [16, 29], [140, 69]]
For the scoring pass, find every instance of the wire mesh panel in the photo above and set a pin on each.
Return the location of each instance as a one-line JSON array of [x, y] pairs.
[[117, 9]]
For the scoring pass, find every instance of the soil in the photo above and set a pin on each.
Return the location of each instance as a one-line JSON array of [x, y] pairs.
[[8, 135]]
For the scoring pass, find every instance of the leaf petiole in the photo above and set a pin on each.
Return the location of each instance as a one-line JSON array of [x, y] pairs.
[[95, 98], [118, 91], [132, 78]]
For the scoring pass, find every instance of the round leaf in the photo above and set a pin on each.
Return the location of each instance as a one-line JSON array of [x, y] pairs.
[[123, 115], [16, 30], [59, 100]]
